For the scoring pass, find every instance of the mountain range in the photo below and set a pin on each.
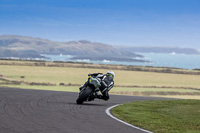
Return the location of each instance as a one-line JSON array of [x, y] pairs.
[[175, 50], [29, 47]]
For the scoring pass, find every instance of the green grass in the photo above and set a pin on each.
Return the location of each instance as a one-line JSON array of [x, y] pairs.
[[119, 89], [115, 89], [171, 116], [50, 88]]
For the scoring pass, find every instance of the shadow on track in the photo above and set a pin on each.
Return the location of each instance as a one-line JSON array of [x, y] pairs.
[[88, 104]]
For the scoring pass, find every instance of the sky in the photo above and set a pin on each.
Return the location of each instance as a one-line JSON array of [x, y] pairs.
[[117, 22]]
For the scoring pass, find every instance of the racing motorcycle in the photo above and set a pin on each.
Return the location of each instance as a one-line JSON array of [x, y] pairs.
[[91, 89]]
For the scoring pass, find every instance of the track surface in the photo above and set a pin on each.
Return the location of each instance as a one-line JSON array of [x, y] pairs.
[[35, 111]]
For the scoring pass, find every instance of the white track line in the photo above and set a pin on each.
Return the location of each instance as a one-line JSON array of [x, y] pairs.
[[108, 113]]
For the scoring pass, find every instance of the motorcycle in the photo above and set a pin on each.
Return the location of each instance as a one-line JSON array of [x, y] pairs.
[[91, 89]]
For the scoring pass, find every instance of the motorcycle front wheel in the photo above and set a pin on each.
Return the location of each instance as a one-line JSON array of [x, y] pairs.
[[84, 94]]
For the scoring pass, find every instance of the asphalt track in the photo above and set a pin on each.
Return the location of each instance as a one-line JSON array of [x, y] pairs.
[[36, 111]]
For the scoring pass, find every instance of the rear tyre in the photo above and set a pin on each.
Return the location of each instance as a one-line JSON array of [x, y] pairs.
[[84, 94]]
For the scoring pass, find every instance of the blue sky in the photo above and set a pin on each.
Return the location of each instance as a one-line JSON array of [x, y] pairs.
[[116, 22]]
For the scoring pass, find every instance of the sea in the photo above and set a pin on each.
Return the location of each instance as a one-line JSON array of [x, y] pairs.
[[152, 59]]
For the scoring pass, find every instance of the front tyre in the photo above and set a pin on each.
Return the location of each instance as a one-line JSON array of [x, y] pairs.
[[84, 94]]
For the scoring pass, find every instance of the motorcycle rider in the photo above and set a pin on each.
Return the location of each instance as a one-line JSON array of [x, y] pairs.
[[107, 83]]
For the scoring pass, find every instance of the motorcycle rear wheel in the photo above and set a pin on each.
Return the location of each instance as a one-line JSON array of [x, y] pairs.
[[84, 94]]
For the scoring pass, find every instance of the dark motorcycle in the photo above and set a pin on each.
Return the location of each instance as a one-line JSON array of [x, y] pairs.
[[87, 92]]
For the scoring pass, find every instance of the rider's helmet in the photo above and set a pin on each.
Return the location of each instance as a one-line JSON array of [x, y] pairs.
[[111, 73]]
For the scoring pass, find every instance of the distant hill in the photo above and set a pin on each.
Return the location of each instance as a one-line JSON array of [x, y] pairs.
[[28, 47], [23, 54], [176, 50]]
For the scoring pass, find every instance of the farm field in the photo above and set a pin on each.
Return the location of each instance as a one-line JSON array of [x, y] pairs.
[[127, 82]]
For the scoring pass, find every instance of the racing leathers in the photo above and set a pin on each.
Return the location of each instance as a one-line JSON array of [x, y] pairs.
[[106, 84]]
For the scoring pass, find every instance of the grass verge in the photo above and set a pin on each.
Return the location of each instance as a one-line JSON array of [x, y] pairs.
[[50, 88], [170, 116]]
